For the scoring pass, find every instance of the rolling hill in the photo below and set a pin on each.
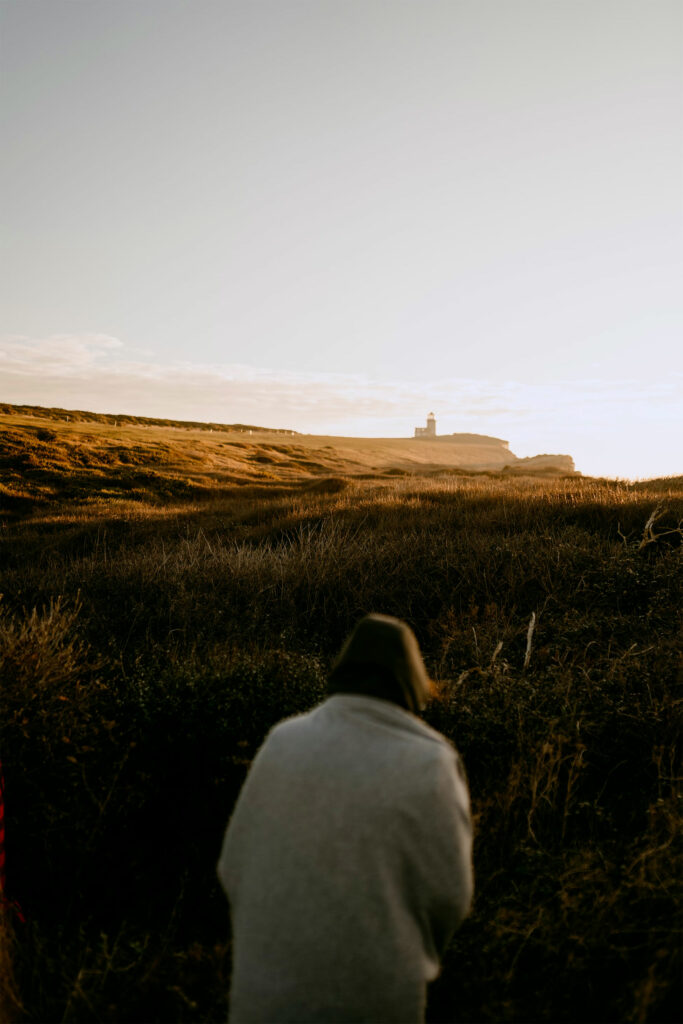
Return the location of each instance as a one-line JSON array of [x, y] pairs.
[[46, 454]]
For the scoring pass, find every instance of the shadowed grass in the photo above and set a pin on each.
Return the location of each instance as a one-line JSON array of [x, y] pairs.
[[145, 651]]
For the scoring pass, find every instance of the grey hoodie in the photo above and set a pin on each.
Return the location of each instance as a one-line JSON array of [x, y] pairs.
[[347, 864]]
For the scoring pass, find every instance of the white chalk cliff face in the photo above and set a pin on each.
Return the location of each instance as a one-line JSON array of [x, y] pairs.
[[560, 463], [480, 451]]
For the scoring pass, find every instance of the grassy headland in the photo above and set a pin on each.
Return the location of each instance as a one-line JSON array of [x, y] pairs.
[[48, 456], [159, 616]]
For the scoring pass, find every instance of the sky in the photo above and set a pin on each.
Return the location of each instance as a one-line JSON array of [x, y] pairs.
[[336, 216]]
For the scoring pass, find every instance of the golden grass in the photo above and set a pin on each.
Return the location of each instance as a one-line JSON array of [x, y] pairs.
[[43, 456]]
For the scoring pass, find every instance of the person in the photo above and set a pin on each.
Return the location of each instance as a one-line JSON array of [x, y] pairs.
[[347, 860]]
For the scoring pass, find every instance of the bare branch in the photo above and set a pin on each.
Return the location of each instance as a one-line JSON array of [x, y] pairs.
[[529, 637]]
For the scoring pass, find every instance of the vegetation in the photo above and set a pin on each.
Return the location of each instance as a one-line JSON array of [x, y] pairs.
[[149, 640], [125, 419]]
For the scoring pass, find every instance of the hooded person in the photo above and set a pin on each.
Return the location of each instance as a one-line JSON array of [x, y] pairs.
[[347, 860]]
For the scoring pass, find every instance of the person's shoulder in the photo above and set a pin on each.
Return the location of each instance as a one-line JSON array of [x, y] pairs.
[[401, 724], [281, 737], [434, 743], [448, 772], [438, 752], [434, 736], [291, 726], [441, 752]]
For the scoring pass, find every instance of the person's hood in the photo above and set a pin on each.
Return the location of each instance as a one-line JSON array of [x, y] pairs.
[[381, 658]]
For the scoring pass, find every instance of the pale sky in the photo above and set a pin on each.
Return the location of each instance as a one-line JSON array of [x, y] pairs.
[[338, 215]]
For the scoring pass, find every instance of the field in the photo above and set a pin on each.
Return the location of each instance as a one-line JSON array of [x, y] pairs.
[[167, 596]]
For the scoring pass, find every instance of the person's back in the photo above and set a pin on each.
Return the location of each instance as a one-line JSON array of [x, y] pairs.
[[347, 863]]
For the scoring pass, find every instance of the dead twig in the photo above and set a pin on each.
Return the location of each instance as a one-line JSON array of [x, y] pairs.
[[529, 638], [499, 648], [649, 535]]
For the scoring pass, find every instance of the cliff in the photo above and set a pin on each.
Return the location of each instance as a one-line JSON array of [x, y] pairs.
[[544, 464]]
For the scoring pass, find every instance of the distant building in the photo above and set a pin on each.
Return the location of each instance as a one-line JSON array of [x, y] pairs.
[[429, 430]]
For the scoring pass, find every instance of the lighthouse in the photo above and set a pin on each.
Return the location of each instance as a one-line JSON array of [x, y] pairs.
[[429, 430]]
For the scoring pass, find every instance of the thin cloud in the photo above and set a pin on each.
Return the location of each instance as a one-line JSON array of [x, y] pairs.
[[101, 364], [45, 366], [62, 354]]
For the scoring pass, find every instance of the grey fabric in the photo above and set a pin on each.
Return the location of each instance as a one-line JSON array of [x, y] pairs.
[[381, 658], [347, 864]]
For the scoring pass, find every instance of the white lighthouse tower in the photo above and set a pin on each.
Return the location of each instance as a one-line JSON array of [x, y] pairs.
[[429, 430]]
